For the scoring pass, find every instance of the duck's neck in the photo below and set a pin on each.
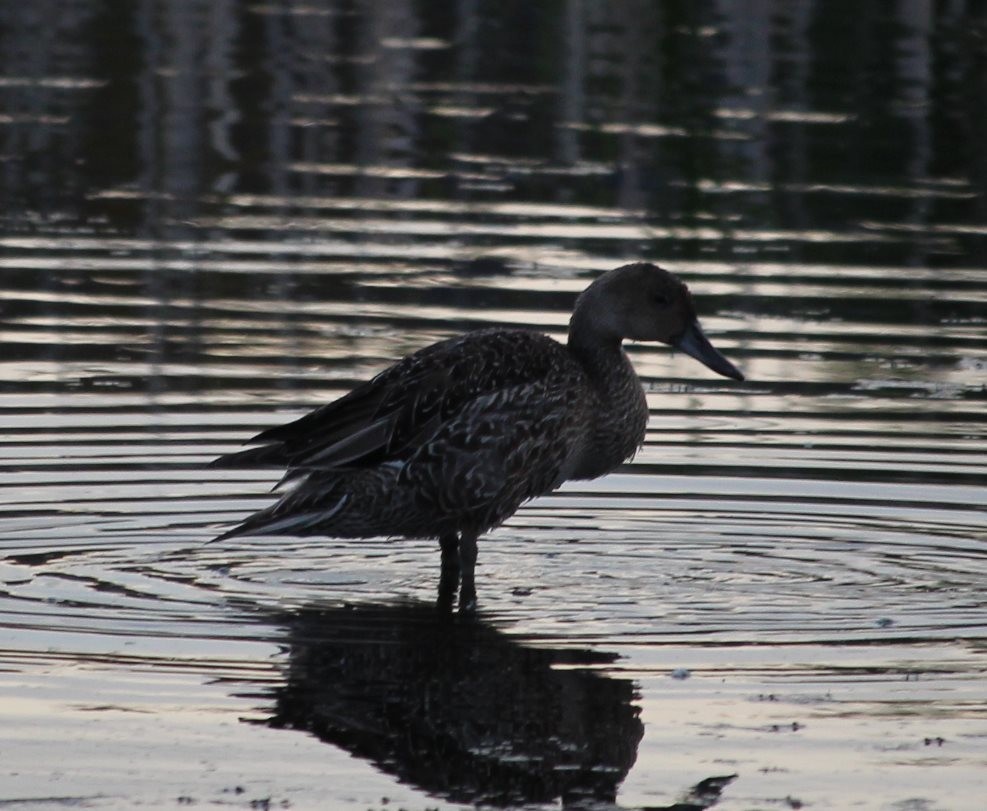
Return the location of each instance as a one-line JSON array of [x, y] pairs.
[[595, 348], [600, 354], [603, 360], [620, 413]]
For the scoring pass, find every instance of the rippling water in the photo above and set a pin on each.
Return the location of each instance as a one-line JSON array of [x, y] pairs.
[[779, 602]]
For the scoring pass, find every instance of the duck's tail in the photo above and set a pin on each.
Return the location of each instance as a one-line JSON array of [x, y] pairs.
[[354, 503], [273, 455]]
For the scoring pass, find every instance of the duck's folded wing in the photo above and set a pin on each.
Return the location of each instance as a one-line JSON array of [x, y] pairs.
[[395, 413], [500, 451]]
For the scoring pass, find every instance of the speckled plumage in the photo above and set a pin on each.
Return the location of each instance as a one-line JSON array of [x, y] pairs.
[[448, 442]]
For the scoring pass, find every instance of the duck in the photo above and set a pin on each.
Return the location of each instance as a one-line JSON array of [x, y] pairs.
[[447, 443]]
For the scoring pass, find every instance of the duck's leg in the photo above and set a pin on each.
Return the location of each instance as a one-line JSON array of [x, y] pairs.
[[449, 544], [467, 562], [449, 576]]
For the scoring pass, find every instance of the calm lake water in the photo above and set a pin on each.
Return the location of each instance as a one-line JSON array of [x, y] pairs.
[[218, 215]]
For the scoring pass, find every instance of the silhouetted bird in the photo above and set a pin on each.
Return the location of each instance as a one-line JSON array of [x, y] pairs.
[[448, 442]]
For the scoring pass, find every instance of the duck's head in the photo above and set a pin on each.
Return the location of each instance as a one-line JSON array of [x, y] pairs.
[[643, 302]]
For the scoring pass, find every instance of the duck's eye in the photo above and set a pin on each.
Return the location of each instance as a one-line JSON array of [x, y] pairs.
[[660, 299]]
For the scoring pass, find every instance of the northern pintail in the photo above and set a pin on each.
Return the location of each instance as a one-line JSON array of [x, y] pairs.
[[449, 442]]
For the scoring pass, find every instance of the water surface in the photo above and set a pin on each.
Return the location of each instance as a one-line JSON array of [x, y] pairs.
[[219, 216]]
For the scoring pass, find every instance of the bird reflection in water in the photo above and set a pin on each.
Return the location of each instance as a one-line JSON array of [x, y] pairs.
[[459, 709]]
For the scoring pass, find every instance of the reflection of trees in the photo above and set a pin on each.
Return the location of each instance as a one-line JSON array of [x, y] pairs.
[[712, 116], [456, 707], [208, 97]]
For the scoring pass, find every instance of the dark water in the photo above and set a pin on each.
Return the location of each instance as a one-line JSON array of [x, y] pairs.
[[218, 215]]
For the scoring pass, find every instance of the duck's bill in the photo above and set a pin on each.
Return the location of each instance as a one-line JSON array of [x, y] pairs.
[[695, 344]]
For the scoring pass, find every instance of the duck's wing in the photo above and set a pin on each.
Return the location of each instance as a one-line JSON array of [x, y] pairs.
[[474, 471], [392, 415], [501, 450]]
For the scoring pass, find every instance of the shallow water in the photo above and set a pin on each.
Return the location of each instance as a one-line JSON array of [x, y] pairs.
[[786, 585]]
